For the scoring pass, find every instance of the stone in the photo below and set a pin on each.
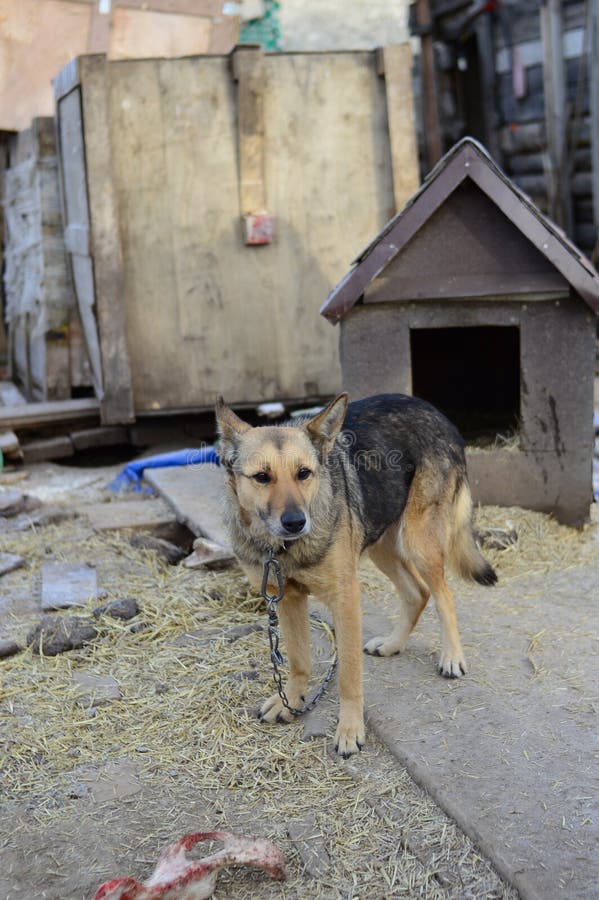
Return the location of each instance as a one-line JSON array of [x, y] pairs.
[[210, 555], [57, 634], [11, 503], [9, 443], [95, 690], [139, 515], [10, 561], [114, 781], [307, 839], [125, 608], [65, 585], [9, 648], [38, 518], [168, 551]]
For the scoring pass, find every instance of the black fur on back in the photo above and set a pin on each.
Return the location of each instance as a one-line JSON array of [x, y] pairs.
[[384, 440]]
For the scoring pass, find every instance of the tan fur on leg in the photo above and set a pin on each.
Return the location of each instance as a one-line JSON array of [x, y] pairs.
[[413, 594], [350, 734]]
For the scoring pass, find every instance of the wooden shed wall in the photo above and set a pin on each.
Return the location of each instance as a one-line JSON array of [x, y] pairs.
[[205, 313], [521, 121], [491, 85]]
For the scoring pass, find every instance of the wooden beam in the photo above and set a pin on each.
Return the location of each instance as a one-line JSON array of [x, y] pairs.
[[201, 8], [34, 415], [486, 66], [248, 70], [395, 64], [554, 85], [117, 401], [432, 123]]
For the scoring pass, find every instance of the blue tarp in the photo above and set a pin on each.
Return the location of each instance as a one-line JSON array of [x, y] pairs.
[[130, 477]]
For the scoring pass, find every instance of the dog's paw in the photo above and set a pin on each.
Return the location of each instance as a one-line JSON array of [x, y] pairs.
[[381, 646], [272, 710], [452, 665], [349, 739]]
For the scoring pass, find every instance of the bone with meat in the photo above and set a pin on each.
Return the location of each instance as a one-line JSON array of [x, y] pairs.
[[176, 877]]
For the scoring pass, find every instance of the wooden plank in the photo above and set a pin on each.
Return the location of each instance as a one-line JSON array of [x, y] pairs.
[[207, 8], [224, 34], [248, 70], [47, 448], [163, 34], [75, 204], [485, 52], [79, 366], [66, 80], [181, 7], [10, 395], [117, 398], [195, 494], [138, 515], [397, 69], [432, 121], [554, 85], [34, 415], [106, 436]]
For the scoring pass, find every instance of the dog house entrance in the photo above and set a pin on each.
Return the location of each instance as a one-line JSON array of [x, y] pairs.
[[473, 376]]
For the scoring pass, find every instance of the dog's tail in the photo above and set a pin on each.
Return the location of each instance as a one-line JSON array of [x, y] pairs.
[[465, 557]]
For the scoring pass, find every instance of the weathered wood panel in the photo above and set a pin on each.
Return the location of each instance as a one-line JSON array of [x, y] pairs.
[[38, 293], [205, 313], [76, 214]]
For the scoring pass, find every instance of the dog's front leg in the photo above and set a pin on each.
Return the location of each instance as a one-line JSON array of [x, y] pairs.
[[295, 629], [347, 616]]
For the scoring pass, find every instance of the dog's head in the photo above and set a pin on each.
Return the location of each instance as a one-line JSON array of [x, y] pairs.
[[276, 469]]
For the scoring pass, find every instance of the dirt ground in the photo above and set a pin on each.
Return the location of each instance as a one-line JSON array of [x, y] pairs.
[[94, 787]]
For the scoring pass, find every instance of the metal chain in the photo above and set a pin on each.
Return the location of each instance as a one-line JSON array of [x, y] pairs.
[[272, 565]]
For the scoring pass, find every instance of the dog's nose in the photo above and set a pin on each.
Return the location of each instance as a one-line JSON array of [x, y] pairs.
[[293, 521]]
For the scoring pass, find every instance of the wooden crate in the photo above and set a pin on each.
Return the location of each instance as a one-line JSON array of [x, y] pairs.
[[164, 160]]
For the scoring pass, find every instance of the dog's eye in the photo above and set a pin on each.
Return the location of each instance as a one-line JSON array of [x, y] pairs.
[[303, 474], [261, 477]]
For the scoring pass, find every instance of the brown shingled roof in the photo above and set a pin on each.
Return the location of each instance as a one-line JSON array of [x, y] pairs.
[[467, 159]]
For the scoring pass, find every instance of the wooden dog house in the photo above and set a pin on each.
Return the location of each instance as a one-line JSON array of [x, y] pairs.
[[474, 300]]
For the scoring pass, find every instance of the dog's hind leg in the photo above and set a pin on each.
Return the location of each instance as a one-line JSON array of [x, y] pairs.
[[425, 549], [413, 594], [295, 629]]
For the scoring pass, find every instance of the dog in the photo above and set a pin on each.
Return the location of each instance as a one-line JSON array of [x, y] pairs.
[[385, 476]]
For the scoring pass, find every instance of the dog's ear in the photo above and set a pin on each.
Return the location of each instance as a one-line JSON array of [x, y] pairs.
[[230, 428], [324, 428]]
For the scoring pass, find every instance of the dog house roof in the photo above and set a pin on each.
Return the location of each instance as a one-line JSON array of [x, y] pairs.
[[467, 162]]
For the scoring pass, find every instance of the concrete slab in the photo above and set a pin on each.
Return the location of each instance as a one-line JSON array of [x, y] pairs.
[[10, 561], [137, 515], [65, 585], [195, 494], [506, 751]]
